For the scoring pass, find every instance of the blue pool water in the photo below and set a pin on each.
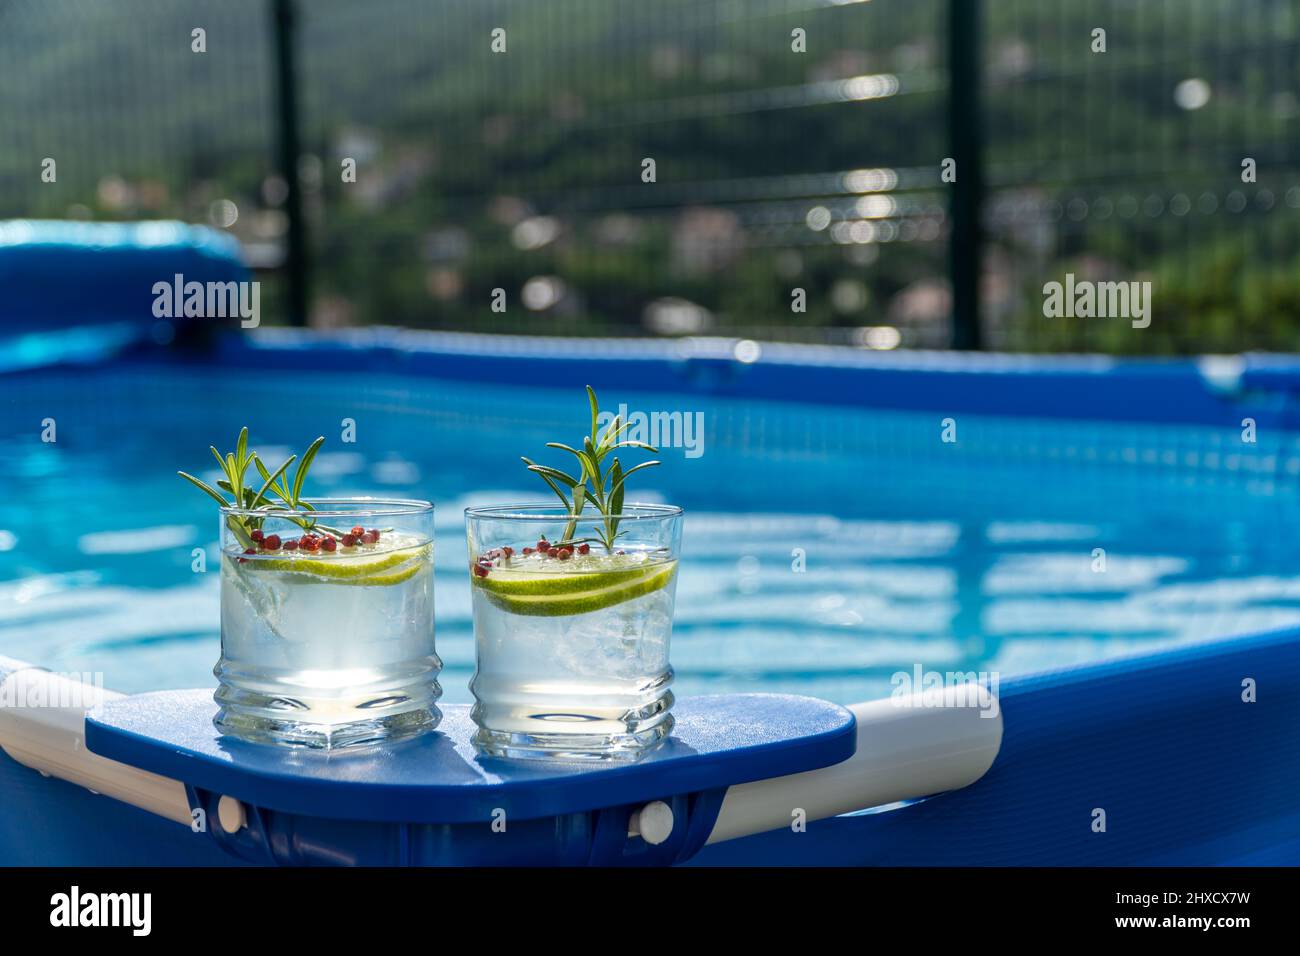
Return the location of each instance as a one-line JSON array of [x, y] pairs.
[[826, 549]]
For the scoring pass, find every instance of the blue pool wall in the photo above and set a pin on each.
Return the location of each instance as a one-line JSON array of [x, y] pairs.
[[1216, 391]]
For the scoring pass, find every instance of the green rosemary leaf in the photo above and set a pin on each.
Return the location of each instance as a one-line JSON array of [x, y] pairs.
[[555, 474], [580, 496], [552, 472], [635, 444], [241, 449], [278, 487], [603, 439], [593, 464], [612, 433], [236, 478], [568, 508], [631, 471], [301, 475], [595, 410], [582, 458], [204, 486], [225, 469], [270, 479], [617, 477], [239, 531]]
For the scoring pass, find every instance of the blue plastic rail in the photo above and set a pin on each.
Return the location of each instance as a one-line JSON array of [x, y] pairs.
[[434, 800]]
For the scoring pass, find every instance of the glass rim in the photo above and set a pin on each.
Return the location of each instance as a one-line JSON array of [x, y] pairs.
[[330, 508], [526, 511]]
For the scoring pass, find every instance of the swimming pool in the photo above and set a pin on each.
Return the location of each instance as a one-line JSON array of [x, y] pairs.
[[827, 550], [1098, 538]]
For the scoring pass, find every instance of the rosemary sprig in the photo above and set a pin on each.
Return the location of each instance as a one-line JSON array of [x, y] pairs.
[[602, 487], [291, 505]]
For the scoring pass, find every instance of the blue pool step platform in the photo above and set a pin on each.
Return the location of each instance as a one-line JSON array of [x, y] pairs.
[[435, 800]]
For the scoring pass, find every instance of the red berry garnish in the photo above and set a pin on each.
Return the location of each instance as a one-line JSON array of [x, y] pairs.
[[250, 551], [543, 545], [329, 544], [291, 544], [256, 534], [375, 532], [357, 530], [313, 543], [370, 537], [349, 541], [528, 550], [481, 570], [271, 542], [584, 548], [507, 551], [565, 554]]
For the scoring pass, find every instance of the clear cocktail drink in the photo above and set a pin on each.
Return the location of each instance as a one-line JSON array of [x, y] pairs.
[[572, 639], [330, 643]]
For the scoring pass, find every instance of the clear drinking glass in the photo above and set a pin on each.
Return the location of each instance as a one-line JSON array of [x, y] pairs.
[[327, 639], [572, 647]]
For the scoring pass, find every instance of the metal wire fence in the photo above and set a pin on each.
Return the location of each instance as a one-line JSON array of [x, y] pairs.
[[765, 169]]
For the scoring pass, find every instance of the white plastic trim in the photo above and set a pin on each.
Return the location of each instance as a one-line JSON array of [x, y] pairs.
[[230, 814], [652, 823], [42, 726], [908, 747]]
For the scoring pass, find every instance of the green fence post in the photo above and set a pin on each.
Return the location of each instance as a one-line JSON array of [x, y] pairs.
[[287, 120], [965, 131]]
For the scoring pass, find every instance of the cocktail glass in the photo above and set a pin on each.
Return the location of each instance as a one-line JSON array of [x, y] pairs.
[[572, 641], [327, 637]]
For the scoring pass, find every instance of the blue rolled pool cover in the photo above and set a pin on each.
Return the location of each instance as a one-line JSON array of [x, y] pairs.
[[1186, 771], [83, 290]]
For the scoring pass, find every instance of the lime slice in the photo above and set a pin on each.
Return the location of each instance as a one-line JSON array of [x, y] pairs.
[[553, 595], [387, 578], [362, 568], [548, 583]]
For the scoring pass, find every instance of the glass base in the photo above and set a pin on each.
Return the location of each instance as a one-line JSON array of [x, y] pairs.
[[246, 716], [629, 746]]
